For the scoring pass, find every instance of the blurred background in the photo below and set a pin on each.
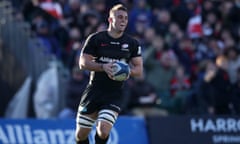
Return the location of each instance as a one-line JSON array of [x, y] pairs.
[[190, 50]]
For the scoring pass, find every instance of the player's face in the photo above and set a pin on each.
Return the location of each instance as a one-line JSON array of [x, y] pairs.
[[120, 20]]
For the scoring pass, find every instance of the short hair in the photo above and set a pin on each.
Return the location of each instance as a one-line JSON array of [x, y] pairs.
[[117, 7]]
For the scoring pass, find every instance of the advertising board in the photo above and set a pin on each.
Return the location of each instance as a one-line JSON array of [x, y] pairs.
[[55, 131], [194, 130]]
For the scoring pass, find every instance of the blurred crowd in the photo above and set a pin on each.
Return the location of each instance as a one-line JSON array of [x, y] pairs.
[[190, 50]]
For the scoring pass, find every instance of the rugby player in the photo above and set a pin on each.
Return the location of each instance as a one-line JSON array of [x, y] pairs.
[[102, 100]]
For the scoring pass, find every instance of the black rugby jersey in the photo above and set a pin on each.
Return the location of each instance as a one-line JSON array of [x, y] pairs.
[[106, 49]]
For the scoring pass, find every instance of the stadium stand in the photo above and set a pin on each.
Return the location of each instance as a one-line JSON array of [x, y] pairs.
[[174, 33], [191, 58]]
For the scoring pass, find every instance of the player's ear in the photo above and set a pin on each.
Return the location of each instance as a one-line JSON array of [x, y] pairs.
[[110, 20]]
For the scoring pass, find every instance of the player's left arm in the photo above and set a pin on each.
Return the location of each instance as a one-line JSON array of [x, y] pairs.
[[136, 64], [136, 61]]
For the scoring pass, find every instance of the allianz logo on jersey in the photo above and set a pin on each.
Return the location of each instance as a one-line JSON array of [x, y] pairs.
[[108, 59], [115, 43]]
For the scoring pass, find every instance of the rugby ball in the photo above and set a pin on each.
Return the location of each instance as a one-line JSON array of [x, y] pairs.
[[121, 71]]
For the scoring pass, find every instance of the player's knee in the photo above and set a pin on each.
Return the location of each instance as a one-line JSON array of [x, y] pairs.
[[84, 126], [81, 135], [106, 119], [103, 129]]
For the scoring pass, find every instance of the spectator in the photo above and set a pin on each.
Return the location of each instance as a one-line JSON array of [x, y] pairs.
[[186, 53], [144, 100], [211, 18], [89, 22], [46, 98], [140, 12], [73, 47], [181, 13], [174, 34], [227, 38], [233, 19], [154, 51], [234, 63], [180, 89], [180, 82], [149, 35], [215, 90], [162, 71], [236, 93], [160, 75], [162, 22], [72, 11], [100, 6], [45, 36], [204, 89], [75, 88]]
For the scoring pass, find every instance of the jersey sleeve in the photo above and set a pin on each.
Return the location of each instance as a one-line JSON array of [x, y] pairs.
[[137, 50], [89, 46]]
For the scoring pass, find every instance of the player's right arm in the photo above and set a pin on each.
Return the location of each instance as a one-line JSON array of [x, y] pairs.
[[87, 60]]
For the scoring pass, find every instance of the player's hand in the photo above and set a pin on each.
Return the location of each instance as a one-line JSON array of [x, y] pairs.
[[108, 69]]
